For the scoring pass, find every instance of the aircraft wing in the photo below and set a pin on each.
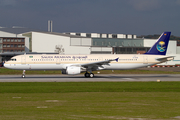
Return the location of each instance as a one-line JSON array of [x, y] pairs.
[[98, 64]]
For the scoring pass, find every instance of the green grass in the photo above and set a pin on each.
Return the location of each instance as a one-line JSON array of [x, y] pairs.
[[89, 100], [5, 71]]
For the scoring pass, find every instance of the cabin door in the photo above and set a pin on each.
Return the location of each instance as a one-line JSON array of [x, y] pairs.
[[57, 60], [23, 59], [145, 59]]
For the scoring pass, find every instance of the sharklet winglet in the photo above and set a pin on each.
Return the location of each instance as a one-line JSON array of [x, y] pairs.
[[116, 59]]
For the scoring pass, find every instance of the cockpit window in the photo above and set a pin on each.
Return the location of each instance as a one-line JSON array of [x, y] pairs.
[[13, 60]]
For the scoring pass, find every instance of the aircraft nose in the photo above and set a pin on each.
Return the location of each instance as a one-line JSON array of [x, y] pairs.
[[5, 65]]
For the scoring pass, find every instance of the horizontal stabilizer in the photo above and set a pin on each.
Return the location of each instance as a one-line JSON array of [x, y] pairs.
[[166, 58]]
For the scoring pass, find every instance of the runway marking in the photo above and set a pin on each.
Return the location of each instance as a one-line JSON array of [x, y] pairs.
[[177, 117], [128, 78], [52, 100], [16, 97], [42, 107]]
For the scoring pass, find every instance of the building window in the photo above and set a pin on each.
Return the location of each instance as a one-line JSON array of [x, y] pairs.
[[88, 35], [4, 40], [0, 40], [8, 40], [12, 40], [15, 45], [19, 45], [8, 45], [4, 45], [0, 46], [15, 40], [126, 36], [22, 45], [19, 40], [22, 40], [114, 36], [12, 45], [78, 34]]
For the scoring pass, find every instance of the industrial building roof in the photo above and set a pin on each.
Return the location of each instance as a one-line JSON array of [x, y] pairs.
[[20, 30], [60, 34], [17, 30]]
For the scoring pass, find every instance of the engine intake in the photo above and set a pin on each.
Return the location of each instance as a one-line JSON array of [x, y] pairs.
[[72, 70]]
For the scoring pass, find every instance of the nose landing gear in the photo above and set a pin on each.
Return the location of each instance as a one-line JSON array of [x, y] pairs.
[[23, 75]]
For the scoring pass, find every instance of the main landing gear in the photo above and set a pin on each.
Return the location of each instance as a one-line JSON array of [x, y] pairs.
[[23, 75], [90, 75]]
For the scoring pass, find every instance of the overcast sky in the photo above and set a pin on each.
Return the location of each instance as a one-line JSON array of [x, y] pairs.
[[140, 17]]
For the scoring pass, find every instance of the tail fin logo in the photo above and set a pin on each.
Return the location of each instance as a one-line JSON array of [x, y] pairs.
[[160, 47]]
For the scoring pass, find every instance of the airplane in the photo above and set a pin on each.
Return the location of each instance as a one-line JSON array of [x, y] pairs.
[[76, 64]]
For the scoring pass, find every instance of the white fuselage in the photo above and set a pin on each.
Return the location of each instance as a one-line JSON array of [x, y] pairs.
[[60, 62]]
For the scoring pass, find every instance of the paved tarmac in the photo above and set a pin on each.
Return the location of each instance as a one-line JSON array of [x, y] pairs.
[[97, 78]]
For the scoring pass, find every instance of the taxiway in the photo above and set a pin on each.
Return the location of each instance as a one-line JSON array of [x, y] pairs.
[[97, 78]]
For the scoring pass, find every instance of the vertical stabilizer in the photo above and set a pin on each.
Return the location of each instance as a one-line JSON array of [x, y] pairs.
[[161, 45]]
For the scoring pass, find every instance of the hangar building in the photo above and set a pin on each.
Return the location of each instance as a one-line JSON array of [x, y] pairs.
[[14, 41]]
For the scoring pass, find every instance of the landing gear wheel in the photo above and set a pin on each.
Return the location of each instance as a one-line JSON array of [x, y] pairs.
[[23, 76], [86, 75], [91, 75]]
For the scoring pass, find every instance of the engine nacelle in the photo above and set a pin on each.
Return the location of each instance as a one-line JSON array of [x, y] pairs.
[[72, 70]]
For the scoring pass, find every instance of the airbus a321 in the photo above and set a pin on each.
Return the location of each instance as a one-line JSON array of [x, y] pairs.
[[75, 64]]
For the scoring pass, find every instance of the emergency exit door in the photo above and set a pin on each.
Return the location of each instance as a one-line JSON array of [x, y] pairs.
[[57, 60]]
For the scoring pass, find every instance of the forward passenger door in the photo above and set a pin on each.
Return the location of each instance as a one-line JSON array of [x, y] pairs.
[[23, 59]]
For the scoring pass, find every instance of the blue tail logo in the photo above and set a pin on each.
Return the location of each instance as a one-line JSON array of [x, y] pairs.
[[160, 47]]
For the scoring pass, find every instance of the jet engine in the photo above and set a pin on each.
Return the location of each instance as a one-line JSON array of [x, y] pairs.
[[72, 70]]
